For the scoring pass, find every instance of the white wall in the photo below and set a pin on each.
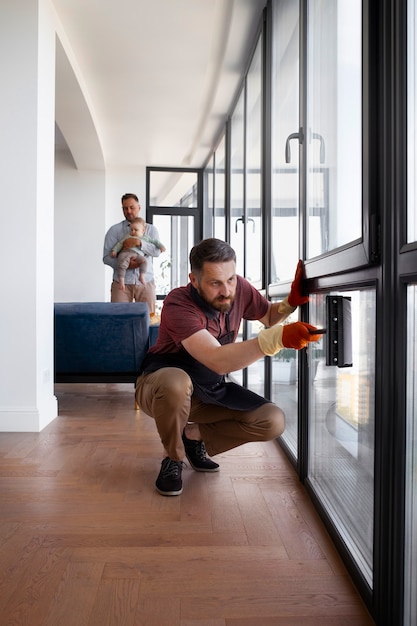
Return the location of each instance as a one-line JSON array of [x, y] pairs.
[[79, 226], [27, 79]]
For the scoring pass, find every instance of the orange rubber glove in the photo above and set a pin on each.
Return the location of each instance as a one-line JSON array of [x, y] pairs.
[[295, 297], [296, 335]]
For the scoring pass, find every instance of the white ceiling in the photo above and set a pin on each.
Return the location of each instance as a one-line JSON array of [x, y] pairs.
[[158, 77]]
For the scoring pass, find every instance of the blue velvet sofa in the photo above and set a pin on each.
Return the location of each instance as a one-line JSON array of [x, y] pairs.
[[101, 341]]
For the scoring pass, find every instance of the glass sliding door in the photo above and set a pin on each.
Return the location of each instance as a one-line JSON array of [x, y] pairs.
[[285, 213], [246, 229], [253, 174], [246, 174], [253, 195]]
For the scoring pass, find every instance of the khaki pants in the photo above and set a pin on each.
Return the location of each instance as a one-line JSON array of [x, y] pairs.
[[135, 293], [167, 396]]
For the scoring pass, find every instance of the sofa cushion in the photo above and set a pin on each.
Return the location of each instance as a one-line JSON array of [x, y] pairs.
[[95, 337]]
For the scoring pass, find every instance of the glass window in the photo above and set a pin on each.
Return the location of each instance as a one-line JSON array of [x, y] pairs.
[[208, 212], [285, 121], [341, 428], [171, 268], [333, 133], [219, 192], [256, 371], [412, 121], [410, 608], [172, 188], [236, 184], [253, 243], [237, 376], [284, 388]]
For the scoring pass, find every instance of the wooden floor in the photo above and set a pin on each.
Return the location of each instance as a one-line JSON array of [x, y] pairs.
[[85, 539]]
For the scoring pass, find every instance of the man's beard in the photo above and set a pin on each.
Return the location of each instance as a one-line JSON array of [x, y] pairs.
[[220, 303]]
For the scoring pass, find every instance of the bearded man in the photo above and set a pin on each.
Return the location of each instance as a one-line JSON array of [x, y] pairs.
[[183, 384]]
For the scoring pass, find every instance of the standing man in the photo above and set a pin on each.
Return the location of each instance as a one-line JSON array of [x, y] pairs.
[[183, 384], [136, 290]]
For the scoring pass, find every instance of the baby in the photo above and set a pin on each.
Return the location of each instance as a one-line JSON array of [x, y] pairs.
[[125, 250]]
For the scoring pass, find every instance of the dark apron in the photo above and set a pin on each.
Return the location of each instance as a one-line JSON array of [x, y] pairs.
[[209, 387]]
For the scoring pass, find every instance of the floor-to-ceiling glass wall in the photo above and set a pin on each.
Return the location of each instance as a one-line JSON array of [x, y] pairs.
[[318, 214], [338, 160]]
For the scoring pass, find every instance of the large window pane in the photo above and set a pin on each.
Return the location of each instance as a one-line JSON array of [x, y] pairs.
[[284, 389], [256, 371], [208, 212], [253, 243], [285, 121], [341, 428], [171, 268], [410, 607], [412, 121], [333, 133], [219, 192], [172, 188], [236, 183]]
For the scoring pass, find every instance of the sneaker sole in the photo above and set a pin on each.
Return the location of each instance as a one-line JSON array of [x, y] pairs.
[[170, 493], [201, 469]]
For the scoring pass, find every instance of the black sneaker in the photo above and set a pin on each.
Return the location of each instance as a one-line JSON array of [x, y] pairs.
[[197, 456], [169, 482]]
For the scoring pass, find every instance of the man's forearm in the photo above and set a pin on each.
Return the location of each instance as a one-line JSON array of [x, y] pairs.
[[279, 312], [232, 356]]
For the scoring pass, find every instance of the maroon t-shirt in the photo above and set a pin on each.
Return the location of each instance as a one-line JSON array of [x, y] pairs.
[[185, 313], [183, 316]]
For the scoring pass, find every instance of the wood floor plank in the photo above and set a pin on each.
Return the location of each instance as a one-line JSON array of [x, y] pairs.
[[312, 518], [225, 512], [32, 597], [259, 524], [79, 582], [15, 555], [293, 530], [116, 602], [307, 620], [157, 611], [261, 607]]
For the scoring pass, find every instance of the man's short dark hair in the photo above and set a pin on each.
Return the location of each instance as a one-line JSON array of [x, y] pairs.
[[127, 196], [210, 251]]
